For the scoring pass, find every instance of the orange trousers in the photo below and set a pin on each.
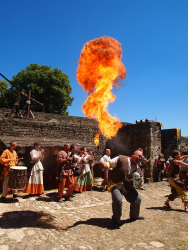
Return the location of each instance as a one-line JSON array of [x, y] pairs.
[[68, 180]]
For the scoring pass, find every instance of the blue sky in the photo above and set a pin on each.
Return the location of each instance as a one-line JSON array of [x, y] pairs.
[[154, 39]]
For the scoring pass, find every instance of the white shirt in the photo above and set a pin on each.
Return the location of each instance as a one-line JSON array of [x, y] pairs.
[[74, 164], [105, 159], [85, 168], [38, 164], [34, 153]]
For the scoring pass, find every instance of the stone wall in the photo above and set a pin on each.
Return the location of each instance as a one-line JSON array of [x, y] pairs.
[[65, 128], [142, 135], [170, 140], [81, 131]]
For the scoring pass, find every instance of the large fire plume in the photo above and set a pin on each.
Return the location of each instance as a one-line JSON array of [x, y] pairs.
[[100, 68]]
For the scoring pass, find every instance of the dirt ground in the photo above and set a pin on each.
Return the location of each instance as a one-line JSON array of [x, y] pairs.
[[42, 223]]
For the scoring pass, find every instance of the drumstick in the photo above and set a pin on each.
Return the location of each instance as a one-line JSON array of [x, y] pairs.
[[13, 160], [18, 159]]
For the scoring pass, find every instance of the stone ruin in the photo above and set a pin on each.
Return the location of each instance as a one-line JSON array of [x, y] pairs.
[[54, 130]]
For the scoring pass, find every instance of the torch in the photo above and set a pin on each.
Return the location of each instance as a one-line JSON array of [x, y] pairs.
[[96, 141]]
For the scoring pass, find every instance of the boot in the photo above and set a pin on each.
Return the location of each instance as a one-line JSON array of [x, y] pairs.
[[68, 199]]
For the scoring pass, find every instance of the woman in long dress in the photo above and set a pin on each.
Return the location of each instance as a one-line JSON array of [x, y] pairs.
[[85, 181], [35, 182]]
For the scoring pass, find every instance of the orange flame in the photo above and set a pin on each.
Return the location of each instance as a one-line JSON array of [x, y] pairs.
[[99, 69], [96, 140]]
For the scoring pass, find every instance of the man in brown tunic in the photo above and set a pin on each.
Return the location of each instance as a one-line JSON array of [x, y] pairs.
[[121, 183], [66, 177]]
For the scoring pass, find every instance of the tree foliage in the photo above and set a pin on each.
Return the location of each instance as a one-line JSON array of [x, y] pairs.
[[48, 86], [6, 94]]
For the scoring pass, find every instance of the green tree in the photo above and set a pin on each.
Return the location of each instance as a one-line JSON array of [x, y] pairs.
[[3, 90], [3, 86], [48, 86], [6, 94]]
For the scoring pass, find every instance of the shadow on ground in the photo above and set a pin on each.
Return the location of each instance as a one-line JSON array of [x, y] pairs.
[[11, 200], [164, 208], [20, 219], [50, 197], [99, 222], [97, 189]]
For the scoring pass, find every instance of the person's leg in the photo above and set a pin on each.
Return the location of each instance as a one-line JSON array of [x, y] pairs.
[[70, 186], [171, 196], [14, 192], [142, 169], [135, 201], [5, 186], [162, 175], [186, 182], [142, 180], [142, 184], [184, 177], [180, 189], [116, 205], [175, 191], [158, 176], [105, 181], [61, 187]]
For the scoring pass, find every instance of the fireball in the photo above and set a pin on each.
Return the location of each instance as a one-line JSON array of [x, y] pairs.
[[99, 70]]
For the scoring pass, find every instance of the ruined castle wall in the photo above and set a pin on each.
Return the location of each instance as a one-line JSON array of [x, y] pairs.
[[170, 140], [79, 129], [142, 135], [66, 127]]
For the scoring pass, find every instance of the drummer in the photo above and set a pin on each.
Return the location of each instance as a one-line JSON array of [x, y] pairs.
[[9, 158]]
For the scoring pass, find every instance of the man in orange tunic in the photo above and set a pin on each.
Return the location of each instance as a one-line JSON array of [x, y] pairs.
[[9, 158]]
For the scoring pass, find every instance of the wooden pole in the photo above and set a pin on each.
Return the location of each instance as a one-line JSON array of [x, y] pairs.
[[28, 104], [18, 100], [24, 94], [17, 105]]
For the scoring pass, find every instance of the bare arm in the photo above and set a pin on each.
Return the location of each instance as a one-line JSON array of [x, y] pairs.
[[181, 163], [110, 164], [60, 160], [183, 157], [139, 171], [85, 159], [147, 161], [103, 165], [39, 157], [61, 157], [5, 158]]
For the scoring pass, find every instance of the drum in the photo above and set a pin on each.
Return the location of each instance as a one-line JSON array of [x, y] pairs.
[[18, 177]]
